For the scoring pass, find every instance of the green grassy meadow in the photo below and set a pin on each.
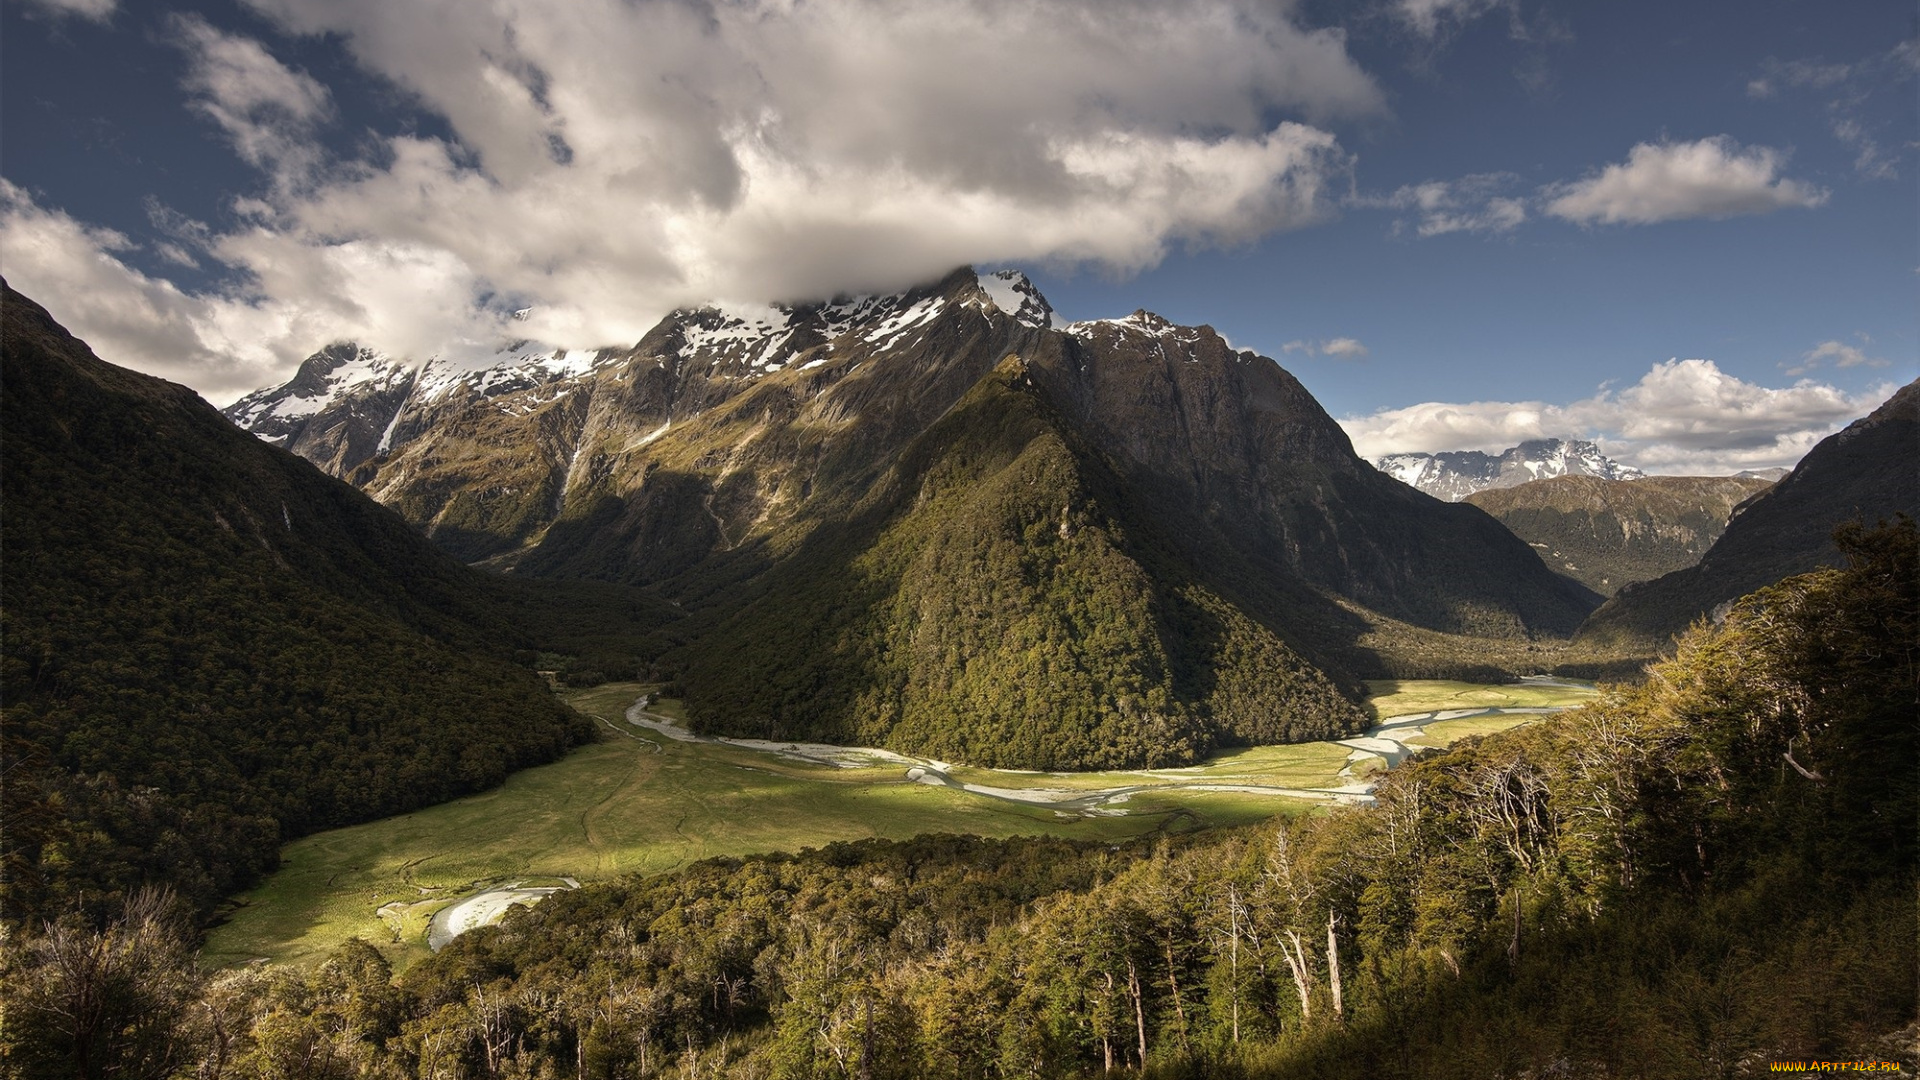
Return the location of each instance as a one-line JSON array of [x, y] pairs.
[[1403, 697], [637, 802]]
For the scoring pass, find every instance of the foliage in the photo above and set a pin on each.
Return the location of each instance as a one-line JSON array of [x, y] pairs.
[[1692, 877], [211, 648], [994, 605]]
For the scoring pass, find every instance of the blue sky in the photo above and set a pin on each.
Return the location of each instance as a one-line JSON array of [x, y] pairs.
[[1685, 229]]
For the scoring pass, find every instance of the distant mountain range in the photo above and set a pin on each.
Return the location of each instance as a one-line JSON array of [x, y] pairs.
[[1868, 472], [1455, 474], [1610, 533], [943, 522]]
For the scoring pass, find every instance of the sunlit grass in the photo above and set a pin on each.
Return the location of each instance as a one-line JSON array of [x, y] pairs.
[[638, 802], [1403, 697]]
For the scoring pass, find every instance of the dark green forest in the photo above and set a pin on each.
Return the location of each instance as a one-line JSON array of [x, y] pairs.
[[1692, 877], [210, 647]]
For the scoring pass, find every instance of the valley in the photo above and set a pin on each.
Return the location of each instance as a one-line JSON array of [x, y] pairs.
[[1215, 697], [639, 802]]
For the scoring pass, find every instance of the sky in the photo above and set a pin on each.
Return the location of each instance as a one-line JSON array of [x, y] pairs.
[[1685, 230]]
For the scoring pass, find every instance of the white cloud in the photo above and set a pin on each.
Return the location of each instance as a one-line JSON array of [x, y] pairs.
[[225, 344], [94, 10], [1682, 417], [1848, 89], [1710, 178], [611, 161], [126, 316], [1837, 354], [268, 110], [1469, 204], [1340, 348]]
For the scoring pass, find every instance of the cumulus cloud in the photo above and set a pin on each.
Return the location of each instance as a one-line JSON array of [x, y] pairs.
[[133, 319], [610, 161], [226, 343], [1710, 178], [1682, 417], [92, 10], [1340, 348]]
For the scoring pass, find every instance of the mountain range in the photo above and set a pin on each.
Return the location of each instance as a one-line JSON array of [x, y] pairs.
[[1455, 474], [908, 519], [1607, 534], [1863, 474]]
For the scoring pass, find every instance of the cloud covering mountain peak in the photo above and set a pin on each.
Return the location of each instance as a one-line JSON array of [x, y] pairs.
[[604, 163]]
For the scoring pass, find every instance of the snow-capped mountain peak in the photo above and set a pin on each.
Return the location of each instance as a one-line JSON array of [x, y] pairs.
[[1453, 475], [1012, 292], [348, 403], [340, 370]]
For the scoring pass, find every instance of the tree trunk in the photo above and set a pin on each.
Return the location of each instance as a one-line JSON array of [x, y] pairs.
[[1297, 963], [866, 1040], [1139, 1013], [1174, 985], [1233, 914], [1333, 962]]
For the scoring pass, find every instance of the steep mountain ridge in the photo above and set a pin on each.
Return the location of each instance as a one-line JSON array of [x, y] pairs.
[[773, 409], [1610, 533], [210, 647], [787, 474], [992, 599], [1864, 473], [1455, 474]]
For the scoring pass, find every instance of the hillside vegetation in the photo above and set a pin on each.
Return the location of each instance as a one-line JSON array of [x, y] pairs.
[[210, 647], [1607, 534], [1698, 876], [989, 606]]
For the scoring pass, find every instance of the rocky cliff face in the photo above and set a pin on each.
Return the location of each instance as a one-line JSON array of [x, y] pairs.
[[1607, 534], [1865, 473]]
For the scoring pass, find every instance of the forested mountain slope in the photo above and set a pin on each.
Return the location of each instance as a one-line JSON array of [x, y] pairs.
[[1868, 472], [1699, 876], [211, 647], [1607, 534], [943, 522]]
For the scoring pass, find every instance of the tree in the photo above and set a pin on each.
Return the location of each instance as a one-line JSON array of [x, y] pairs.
[[111, 1004]]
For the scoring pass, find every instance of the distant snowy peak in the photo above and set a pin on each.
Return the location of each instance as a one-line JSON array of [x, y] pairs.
[[748, 340], [1453, 475]]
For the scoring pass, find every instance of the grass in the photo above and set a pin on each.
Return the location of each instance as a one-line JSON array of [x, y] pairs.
[[1403, 697], [636, 802]]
